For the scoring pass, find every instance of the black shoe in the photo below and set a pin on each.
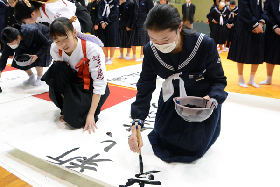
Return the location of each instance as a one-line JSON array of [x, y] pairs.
[[0, 90]]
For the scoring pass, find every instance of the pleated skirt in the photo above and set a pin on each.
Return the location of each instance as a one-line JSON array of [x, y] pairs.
[[219, 33], [139, 37], [272, 47], [110, 35], [125, 38], [246, 47]]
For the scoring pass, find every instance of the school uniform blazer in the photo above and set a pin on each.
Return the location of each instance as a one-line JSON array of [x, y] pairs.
[[141, 9], [191, 12], [273, 12], [126, 15], [93, 8], [114, 11], [9, 18], [249, 13], [199, 58]]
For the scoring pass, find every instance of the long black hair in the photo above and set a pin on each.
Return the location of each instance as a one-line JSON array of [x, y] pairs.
[[60, 27], [22, 11], [163, 17], [9, 34]]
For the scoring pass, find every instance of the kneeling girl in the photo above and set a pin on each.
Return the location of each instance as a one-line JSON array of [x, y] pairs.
[[77, 79]]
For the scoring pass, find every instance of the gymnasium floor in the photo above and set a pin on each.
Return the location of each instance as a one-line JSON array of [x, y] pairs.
[[245, 154]]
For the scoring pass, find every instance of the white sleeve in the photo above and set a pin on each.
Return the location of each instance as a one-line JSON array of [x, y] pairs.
[[60, 8], [97, 67], [55, 53]]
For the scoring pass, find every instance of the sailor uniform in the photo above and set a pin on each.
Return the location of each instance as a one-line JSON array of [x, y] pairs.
[[232, 17], [219, 30], [93, 8], [109, 14], [35, 41], [77, 90], [125, 20], [139, 36], [248, 47], [272, 40], [199, 69], [210, 21]]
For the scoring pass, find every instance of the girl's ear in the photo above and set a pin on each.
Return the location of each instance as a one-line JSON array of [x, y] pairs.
[[75, 32], [180, 27]]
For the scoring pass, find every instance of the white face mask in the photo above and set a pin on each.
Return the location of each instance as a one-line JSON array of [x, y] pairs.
[[166, 48], [14, 46], [227, 3]]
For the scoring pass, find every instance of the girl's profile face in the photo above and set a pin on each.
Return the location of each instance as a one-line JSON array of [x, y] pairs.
[[31, 20], [15, 42], [67, 43]]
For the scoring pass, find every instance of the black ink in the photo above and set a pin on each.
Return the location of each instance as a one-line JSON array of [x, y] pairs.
[[106, 149], [109, 134], [61, 162]]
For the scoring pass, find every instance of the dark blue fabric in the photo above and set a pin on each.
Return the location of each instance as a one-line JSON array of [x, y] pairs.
[[173, 139]]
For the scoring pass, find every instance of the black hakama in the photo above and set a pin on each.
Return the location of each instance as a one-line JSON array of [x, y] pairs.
[[248, 47], [125, 21], [219, 31], [272, 40], [35, 41], [76, 101], [173, 139], [110, 35]]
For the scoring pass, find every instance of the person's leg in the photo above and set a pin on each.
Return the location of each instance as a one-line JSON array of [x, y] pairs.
[[241, 81], [39, 70], [31, 78], [121, 55], [269, 71], [105, 50], [225, 46], [141, 55], [110, 60], [254, 68], [127, 57], [221, 48], [134, 52]]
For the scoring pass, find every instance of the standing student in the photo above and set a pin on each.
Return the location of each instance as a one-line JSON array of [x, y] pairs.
[[216, 4], [248, 41], [93, 8], [139, 36], [232, 12], [109, 27], [32, 39], [30, 12], [9, 18], [272, 39], [188, 10], [219, 31], [177, 53], [77, 79], [125, 23]]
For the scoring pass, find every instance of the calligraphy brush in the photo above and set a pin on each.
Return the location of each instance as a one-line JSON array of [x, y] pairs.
[[138, 140]]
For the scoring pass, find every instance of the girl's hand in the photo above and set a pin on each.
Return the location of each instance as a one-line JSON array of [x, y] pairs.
[[103, 25], [214, 21], [34, 57], [206, 97], [90, 124], [132, 141], [128, 29], [95, 27], [258, 29], [277, 31], [229, 26]]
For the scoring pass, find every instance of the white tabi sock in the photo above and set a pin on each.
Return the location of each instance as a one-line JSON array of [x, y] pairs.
[[267, 81], [134, 56], [30, 80], [38, 82], [241, 81], [140, 59], [252, 81], [106, 59]]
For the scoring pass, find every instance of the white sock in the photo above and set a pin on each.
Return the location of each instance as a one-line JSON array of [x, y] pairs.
[[127, 54], [109, 61], [252, 81], [30, 80], [121, 56], [241, 81], [140, 59], [267, 81], [134, 56], [38, 82], [106, 59]]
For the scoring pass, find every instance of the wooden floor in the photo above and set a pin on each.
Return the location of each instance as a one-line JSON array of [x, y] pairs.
[[8, 179]]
